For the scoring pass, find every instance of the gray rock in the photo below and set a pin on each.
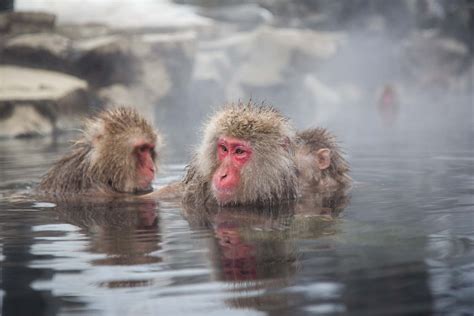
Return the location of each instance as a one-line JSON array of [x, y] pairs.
[[124, 15], [211, 65], [176, 50], [291, 51], [268, 62], [36, 102], [140, 70], [208, 84], [83, 31], [134, 96], [237, 46], [116, 95], [39, 50], [167, 66], [247, 15], [106, 60], [4, 22], [21, 119], [167, 62], [434, 61], [26, 22]]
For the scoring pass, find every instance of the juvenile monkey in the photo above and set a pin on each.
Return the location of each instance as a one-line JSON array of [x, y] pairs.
[[319, 160], [246, 157], [115, 154]]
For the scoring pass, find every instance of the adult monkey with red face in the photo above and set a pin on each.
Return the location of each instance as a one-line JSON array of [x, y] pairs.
[[246, 157], [115, 155], [251, 155]]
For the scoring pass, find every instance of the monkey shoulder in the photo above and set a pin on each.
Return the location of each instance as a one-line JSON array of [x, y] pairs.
[[68, 174]]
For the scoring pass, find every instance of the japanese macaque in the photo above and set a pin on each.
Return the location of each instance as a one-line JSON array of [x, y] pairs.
[[388, 105], [246, 157], [251, 155], [116, 154], [319, 161]]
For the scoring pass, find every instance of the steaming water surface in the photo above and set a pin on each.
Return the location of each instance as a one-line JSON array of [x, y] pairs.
[[403, 243]]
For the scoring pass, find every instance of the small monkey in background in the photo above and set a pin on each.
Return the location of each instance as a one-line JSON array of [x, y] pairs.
[[116, 154], [319, 160], [388, 105]]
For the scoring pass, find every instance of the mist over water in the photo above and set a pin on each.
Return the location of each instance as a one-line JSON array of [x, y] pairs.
[[322, 63], [339, 85], [393, 80]]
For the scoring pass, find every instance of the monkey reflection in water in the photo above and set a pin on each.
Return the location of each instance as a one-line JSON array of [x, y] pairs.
[[259, 185], [255, 248], [126, 231]]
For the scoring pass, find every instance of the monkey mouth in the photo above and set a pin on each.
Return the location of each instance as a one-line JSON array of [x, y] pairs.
[[223, 196], [141, 191]]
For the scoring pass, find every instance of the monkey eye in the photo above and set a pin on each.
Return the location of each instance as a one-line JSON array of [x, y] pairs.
[[223, 148], [239, 151], [143, 148]]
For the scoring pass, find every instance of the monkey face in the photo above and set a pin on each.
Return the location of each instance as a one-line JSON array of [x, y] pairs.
[[251, 172], [246, 157], [145, 166], [115, 154], [233, 155], [125, 163]]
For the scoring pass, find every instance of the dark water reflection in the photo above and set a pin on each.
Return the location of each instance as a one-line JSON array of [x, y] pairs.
[[402, 243]]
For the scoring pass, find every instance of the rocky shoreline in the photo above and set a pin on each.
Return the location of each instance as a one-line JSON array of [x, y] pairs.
[[52, 74]]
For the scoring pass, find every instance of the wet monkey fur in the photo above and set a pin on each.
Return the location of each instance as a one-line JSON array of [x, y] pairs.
[[320, 163], [251, 155], [116, 154], [246, 157]]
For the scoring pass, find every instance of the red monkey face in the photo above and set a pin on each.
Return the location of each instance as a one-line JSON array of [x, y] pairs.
[[145, 153], [232, 154]]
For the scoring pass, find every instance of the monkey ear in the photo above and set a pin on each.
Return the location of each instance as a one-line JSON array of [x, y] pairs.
[[323, 158]]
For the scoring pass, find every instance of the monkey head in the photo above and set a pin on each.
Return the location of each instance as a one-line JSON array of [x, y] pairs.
[[123, 150], [319, 161], [247, 156]]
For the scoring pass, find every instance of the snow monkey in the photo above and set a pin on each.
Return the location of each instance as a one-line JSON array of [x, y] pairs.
[[246, 157], [320, 163], [250, 154], [115, 154]]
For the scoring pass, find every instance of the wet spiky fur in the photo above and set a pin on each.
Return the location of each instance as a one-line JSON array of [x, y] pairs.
[[270, 174], [309, 142], [102, 158]]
